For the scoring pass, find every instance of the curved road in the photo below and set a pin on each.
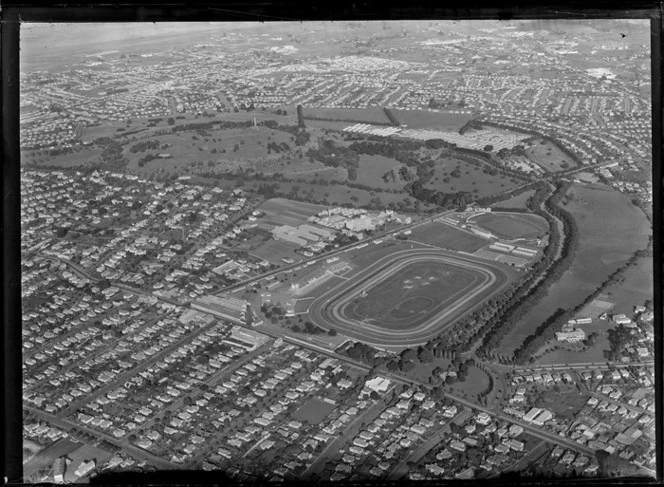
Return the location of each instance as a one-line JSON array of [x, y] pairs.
[[325, 310]]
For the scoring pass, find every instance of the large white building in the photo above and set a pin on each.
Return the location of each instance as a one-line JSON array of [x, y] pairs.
[[571, 336], [232, 309]]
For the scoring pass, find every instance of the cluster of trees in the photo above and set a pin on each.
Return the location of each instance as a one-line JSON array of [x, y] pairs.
[[274, 310], [277, 148], [147, 158], [517, 150], [343, 240], [438, 144], [310, 328], [547, 138], [362, 352], [613, 465], [112, 153], [457, 200], [336, 156], [401, 150], [61, 151], [619, 338], [480, 158], [301, 135], [144, 145], [221, 124]]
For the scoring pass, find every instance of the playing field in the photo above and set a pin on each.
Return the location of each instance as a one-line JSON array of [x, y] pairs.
[[313, 411], [513, 225], [408, 296], [275, 250], [448, 237]]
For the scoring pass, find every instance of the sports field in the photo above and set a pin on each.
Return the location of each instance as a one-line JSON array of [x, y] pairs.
[[408, 297], [275, 250], [448, 237], [313, 411], [513, 225]]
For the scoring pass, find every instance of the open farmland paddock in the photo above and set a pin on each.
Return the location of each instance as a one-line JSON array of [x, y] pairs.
[[548, 156], [611, 229]]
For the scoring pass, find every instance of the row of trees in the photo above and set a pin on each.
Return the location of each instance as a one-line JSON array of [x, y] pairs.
[[550, 270], [401, 150], [221, 124], [300, 117], [547, 330], [144, 145], [515, 303], [391, 117]]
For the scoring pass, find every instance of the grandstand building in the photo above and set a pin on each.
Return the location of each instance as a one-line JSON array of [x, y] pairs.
[[228, 308], [481, 233]]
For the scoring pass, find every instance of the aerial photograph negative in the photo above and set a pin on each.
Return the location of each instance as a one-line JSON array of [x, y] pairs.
[[354, 251]]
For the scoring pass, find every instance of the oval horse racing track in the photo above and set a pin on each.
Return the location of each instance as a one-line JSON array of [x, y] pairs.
[[408, 297]]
